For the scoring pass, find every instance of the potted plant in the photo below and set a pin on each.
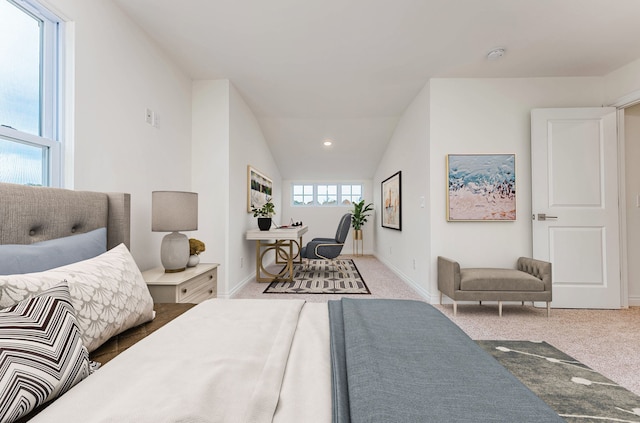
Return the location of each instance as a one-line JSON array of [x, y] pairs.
[[264, 214], [359, 216], [195, 248]]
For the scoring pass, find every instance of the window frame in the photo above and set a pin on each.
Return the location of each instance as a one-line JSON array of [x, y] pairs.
[[304, 204], [350, 196], [50, 107], [315, 200]]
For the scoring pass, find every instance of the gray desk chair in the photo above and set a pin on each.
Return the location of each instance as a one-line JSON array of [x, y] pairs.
[[328, 248]]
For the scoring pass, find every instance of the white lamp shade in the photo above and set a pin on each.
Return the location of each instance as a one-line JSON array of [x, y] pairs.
[[174, 211]]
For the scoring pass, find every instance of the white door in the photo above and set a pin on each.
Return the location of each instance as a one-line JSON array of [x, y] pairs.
[[574, 169]]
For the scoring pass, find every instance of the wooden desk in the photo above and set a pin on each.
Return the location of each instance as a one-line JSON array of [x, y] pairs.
[[281, 241]]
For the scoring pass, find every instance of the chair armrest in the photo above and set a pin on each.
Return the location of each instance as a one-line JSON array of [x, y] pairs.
[[323, 250], [538, 268], [325, 240], [448, 276]]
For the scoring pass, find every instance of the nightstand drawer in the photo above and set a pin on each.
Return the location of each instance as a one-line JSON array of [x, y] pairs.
[[194, 285], [198, 289]]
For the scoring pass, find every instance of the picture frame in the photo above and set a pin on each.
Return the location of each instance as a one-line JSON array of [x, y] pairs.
[[259, 188], [481, 187], [392, 201]]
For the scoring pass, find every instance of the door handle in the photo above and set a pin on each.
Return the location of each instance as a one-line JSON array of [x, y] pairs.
[[543, 216]]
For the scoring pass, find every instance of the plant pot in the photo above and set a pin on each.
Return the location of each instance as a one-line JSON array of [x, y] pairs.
[[194, 259], [357, 234], [264, 223]]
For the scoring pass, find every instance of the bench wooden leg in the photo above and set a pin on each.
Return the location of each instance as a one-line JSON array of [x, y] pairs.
[[440, 297], [548, 309], [455, 308], [480, 302], [500, 308]]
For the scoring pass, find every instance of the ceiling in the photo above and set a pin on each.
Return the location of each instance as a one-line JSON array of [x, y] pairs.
[[347, 69]]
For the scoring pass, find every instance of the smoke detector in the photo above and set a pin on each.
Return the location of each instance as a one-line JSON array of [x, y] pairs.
[[496, 53]]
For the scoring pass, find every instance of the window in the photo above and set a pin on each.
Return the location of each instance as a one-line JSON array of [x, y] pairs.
[[350, 194], [325, 194], [302, 195], [29, 75]]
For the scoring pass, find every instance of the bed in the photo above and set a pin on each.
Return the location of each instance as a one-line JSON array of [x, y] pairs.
[[226, 360]]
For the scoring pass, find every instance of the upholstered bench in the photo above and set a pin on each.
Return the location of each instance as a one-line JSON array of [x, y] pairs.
[[530, 281]]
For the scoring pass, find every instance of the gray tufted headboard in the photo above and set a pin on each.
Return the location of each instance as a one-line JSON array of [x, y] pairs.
[[33, 214]]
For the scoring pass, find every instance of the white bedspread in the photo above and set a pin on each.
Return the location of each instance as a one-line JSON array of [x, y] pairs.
[[222, 361]]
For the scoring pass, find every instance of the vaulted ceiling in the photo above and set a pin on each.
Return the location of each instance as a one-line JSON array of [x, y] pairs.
[[347, 69]]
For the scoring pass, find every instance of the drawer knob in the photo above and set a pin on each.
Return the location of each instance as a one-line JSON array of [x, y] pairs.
[[210, 291], [184, 290], [210, 277]]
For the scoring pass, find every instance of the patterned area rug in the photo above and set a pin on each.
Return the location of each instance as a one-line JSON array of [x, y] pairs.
[[322, 277], [576, 392]]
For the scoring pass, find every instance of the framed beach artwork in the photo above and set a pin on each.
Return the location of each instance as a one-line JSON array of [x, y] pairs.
[[392, 202], [481, 187], [259, 189]]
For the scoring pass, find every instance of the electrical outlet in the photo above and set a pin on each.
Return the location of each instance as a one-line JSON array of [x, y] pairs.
[[414, 264], [390, 251], [241, 262], [156, 120], [148, 117]]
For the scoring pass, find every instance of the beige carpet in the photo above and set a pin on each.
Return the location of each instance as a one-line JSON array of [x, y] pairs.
[[608, 341]]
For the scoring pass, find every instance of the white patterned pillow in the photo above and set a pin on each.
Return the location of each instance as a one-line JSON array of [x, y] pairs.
[[107, 292], [41, 352]]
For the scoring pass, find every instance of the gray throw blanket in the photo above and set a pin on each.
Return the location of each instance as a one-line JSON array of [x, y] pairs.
[[404, 361]]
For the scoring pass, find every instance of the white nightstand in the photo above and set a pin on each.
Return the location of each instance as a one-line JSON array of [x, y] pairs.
[[194, 285]]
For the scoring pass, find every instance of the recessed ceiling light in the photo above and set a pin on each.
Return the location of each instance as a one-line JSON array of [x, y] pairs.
[[327, 143], [496, 53]]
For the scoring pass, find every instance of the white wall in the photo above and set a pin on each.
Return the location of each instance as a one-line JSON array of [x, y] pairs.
[[632, 189], [491, 116], [210, 172], [623, 86], [227, 138], [247, 146], [323, 221], [408, 151], [622, 82], [118, 72]]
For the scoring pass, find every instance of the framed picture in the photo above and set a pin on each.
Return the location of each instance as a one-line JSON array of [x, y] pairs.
[[259, 189], [392, 202], [481, 187]]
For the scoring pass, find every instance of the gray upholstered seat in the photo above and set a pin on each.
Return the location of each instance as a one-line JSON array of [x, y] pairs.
[[328, 248], [530, 281]]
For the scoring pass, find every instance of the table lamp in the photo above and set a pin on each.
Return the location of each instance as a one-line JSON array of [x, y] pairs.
[[174, 211]]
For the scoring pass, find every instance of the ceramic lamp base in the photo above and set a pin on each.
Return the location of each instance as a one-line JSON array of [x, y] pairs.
[[174, 252]]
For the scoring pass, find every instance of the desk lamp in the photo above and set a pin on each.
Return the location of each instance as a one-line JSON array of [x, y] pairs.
[[174, 211]]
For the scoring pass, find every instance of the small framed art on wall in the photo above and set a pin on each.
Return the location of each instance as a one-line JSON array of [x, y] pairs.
[[392, 202]]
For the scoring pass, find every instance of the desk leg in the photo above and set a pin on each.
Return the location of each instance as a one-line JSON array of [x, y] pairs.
[[258, 262], [279, 247]]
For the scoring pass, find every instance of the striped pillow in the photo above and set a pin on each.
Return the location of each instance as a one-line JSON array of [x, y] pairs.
[[41, 352]]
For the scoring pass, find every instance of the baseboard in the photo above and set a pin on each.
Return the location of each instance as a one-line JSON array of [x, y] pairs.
[[242, 284], [417, 288], [634, 301]]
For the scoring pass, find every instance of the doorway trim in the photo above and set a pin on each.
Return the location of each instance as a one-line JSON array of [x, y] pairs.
[[620, 104]]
